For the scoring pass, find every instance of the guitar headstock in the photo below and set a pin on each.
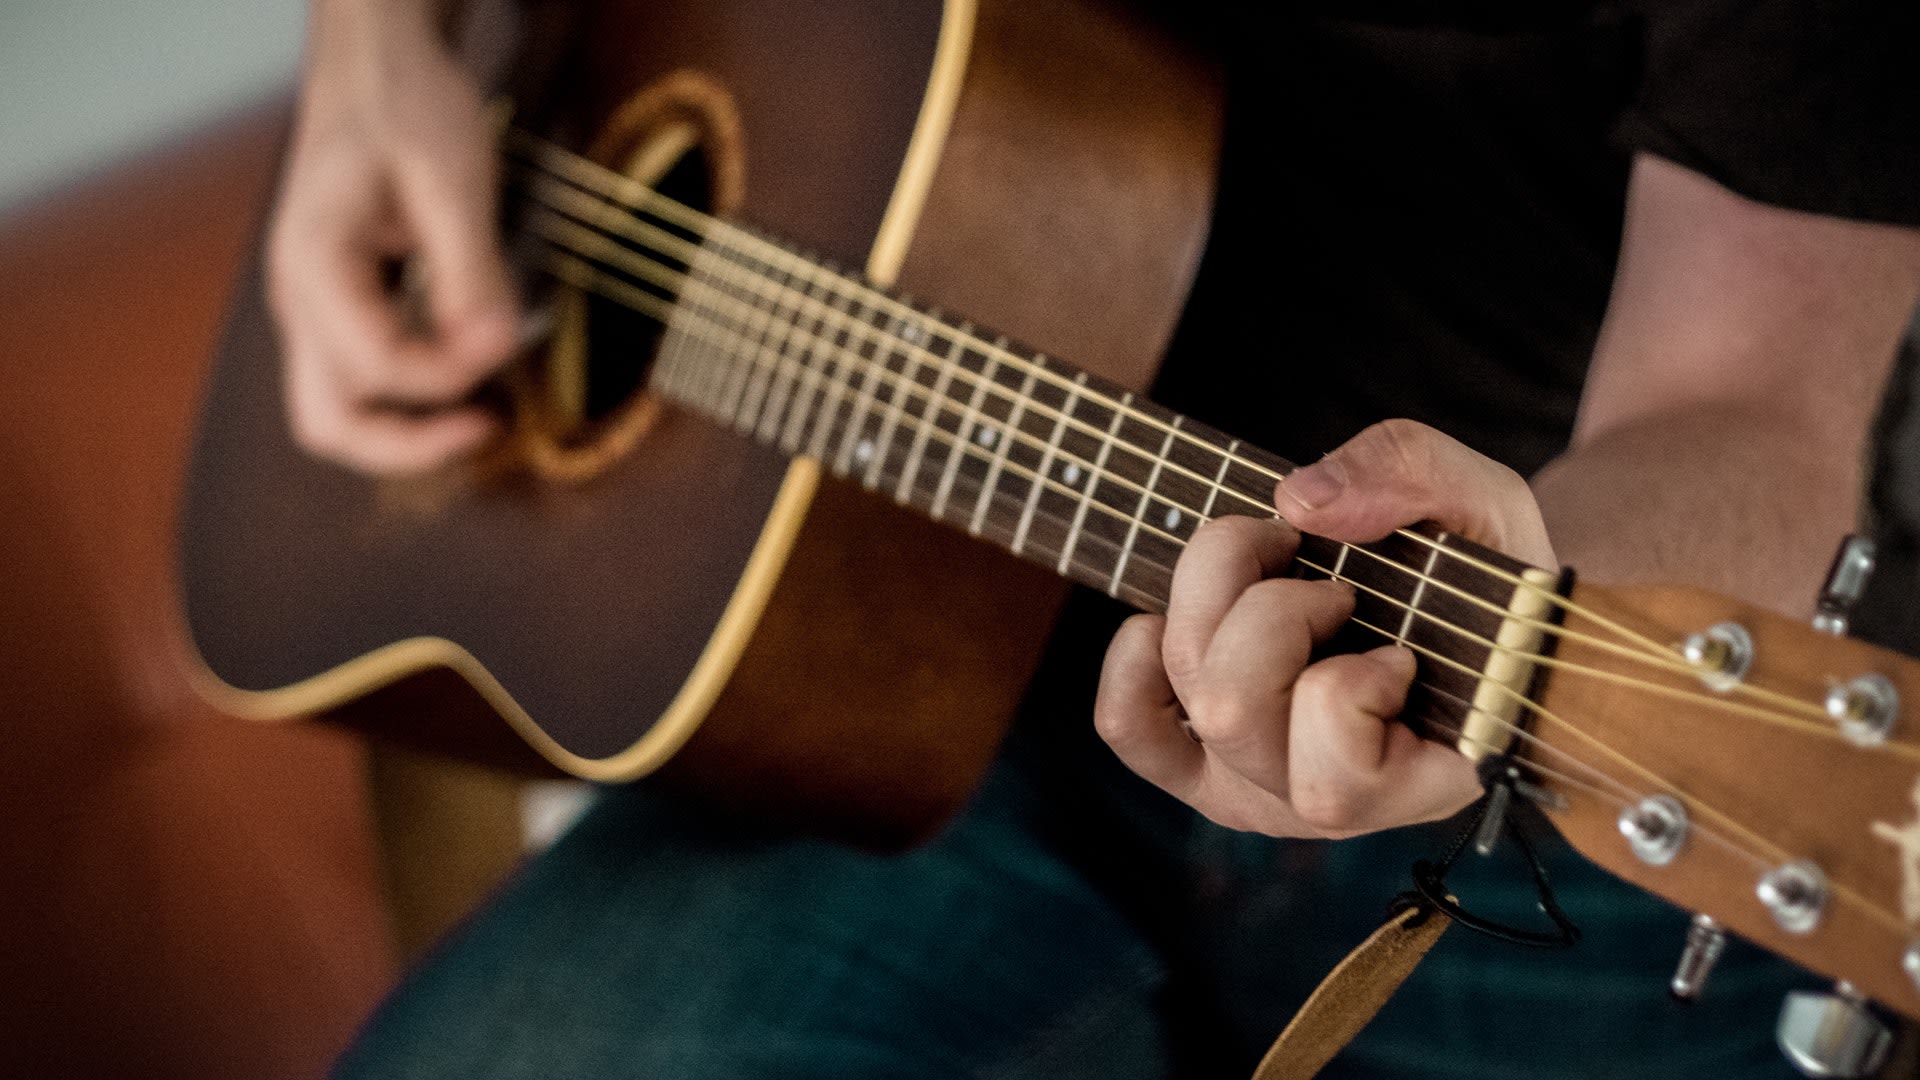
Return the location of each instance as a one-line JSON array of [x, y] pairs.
[[1791, 755]]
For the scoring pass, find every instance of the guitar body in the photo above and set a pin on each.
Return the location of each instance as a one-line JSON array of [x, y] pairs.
[[794, 644]]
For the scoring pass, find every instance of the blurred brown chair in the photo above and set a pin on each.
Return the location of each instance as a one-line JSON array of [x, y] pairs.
[[181, 895]]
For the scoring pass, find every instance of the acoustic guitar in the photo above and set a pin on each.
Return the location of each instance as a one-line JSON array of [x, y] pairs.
[[803, 534]]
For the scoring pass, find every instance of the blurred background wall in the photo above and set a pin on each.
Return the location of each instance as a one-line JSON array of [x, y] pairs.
[[85, 82]]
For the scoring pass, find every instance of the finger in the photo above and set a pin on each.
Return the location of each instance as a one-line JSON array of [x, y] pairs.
[[1240, 703], [448, 191], [327, 423], [1222, 559], [328, 251], [1399, 472], [363, 342], [1137, 714], [1353, 767]]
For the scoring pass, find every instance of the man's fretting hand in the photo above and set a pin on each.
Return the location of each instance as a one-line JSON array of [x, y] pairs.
[[1281, 746], [392, 159]]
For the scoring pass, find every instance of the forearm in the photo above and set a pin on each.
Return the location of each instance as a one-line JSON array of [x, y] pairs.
[[1721, 438], [1743, 499]]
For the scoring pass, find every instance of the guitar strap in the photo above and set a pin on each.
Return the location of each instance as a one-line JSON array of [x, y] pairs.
[[1349, 997]]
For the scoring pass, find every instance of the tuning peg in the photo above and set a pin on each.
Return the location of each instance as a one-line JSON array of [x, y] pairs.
[[1705, 941], [1832, 1034], [1846, 581]]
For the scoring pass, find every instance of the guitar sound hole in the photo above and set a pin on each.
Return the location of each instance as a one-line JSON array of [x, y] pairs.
[[584, 403]]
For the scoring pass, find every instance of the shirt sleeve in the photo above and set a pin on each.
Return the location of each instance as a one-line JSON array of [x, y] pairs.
[[1808, 104]]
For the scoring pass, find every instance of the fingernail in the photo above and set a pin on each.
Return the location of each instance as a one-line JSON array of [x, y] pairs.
[[1315, 485], [1398, 658]]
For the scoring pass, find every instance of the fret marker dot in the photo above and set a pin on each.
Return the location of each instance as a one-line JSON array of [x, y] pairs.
[[1173, 517], [912, 333], [863, 452], [987, 437], [1071, 474]]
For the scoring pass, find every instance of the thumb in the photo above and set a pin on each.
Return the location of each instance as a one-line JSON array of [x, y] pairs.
[[1400, 472]]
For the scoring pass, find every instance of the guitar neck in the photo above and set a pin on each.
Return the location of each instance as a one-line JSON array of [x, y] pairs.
[[1031, 454]]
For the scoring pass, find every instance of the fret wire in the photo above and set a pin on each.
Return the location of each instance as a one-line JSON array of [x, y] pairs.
[[844, 417], [711, 362], [670, 345], [820, 353], [1420, 588], [928, 417], [804, 385], [688, 370], [836, 380], [890, 419], [1140, 512], [1006, 440], [754, 393], [758, 337], [1045, 471], [719, 363], [824, 392], [1093, 479], [1226, 462], [968, 418], [782, 382]]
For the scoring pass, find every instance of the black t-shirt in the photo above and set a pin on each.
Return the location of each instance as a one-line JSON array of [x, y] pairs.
[[1422, 201]]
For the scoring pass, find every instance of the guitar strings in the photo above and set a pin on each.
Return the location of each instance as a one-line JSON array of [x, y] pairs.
[[631, 261], [625, 192], [714, 333], [1600, 745], [567, 265], [1650, 651], [664, 276], [1687, 695]]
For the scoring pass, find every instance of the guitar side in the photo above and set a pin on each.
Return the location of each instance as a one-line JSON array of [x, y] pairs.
[[843, 659]]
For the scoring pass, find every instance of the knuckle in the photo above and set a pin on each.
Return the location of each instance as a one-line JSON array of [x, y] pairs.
[[1182, 657], [1224, 717], [1403, 446], [1329, 807], [1281, 597], [1317, 689]]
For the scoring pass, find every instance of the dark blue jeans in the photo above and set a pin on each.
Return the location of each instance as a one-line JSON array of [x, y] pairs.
[[1072, 923]]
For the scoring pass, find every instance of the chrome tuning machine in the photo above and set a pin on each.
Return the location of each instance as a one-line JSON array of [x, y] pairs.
[[1832, 1034], [1846, 582], [1706, 940]]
